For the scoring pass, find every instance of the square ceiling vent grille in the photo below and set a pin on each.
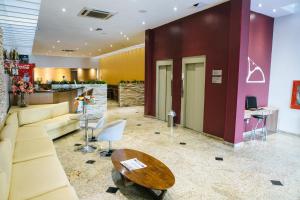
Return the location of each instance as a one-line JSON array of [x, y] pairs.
[[99, 14]]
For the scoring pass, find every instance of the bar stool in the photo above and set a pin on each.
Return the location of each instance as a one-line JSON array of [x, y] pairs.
[[261, 119]]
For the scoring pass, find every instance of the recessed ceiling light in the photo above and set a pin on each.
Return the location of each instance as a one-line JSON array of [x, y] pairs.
[[143, 22], [85, 43], [63, 9], [91, 29], [260, 5], [175, 8], [58, 41], [121, 33], [111, 45], [274, 10]]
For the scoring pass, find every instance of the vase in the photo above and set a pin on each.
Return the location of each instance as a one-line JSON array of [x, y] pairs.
[[22, 102]]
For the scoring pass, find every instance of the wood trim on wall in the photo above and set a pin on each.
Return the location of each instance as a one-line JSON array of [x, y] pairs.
[[149, 76]]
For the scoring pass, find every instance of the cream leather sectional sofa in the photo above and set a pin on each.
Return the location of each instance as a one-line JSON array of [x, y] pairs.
[[55, 118], [29, 166]]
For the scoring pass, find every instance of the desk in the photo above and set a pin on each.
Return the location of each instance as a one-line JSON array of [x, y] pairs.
[[272, 119], [50, 97]]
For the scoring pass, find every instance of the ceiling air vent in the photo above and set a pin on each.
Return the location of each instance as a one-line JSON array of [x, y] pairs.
[[99, 14]]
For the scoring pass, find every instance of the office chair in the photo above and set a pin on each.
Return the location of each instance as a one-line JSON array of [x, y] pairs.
[[251, 104]]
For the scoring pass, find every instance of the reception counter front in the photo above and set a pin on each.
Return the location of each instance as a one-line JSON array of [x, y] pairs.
[[50, 97]]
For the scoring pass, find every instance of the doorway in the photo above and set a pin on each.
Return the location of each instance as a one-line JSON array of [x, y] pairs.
[[74, 75], [164, 88], [192, 102]]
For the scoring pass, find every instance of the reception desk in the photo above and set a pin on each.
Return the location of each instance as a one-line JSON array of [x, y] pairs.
[[50, 97]]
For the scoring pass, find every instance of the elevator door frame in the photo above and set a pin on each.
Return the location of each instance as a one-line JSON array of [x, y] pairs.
[[185, 62], [162, 63]]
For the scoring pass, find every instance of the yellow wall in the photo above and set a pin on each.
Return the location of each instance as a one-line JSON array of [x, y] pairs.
[[124, 66], [56, 74], [51, 74], [86, 74]]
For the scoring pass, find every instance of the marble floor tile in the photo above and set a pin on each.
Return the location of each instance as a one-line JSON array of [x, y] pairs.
[[245, 172]]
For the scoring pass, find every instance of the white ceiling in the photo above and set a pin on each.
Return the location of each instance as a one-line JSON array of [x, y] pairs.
[[73, 31], [282, 7]]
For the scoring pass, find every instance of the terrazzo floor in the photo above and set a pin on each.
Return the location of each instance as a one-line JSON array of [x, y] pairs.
[[244, 173]]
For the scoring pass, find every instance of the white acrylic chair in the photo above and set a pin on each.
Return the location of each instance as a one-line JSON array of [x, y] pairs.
[[96, 125], [93, 126], [111, 132]]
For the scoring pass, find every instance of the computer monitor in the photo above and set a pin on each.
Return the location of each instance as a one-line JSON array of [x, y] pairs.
[[251, 103]]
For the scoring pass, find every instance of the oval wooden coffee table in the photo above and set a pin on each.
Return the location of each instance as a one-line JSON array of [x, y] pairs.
[[156, 176]]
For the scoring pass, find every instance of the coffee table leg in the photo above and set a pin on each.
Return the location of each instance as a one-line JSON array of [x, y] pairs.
[[162, 195], [125, 181]]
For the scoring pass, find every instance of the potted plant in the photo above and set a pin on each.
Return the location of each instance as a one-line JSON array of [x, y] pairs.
[[37, 83], [20, 87]]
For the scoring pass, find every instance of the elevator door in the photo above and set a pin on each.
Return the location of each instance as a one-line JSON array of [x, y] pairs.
[[194, 96], [164, 91]]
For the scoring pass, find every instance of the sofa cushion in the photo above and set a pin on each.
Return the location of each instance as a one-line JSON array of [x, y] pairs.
[[9, 132], [32, 115], [55, 123], [29, 133], [60, 109], [56, 133], [12, 119], [36, 177], [5, 167], [65, 193], [31, 149], [4, 189]]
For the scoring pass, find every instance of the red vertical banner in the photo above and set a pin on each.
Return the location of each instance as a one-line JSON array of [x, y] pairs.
[[26, 72]]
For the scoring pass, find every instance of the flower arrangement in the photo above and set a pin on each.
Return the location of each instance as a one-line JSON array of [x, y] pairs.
[[19, 86], [82, 101], [86, 99]]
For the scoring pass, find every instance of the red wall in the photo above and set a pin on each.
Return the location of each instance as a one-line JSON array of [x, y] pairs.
[[237, 62], [260, 50], [220, 33], [204, 33]]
